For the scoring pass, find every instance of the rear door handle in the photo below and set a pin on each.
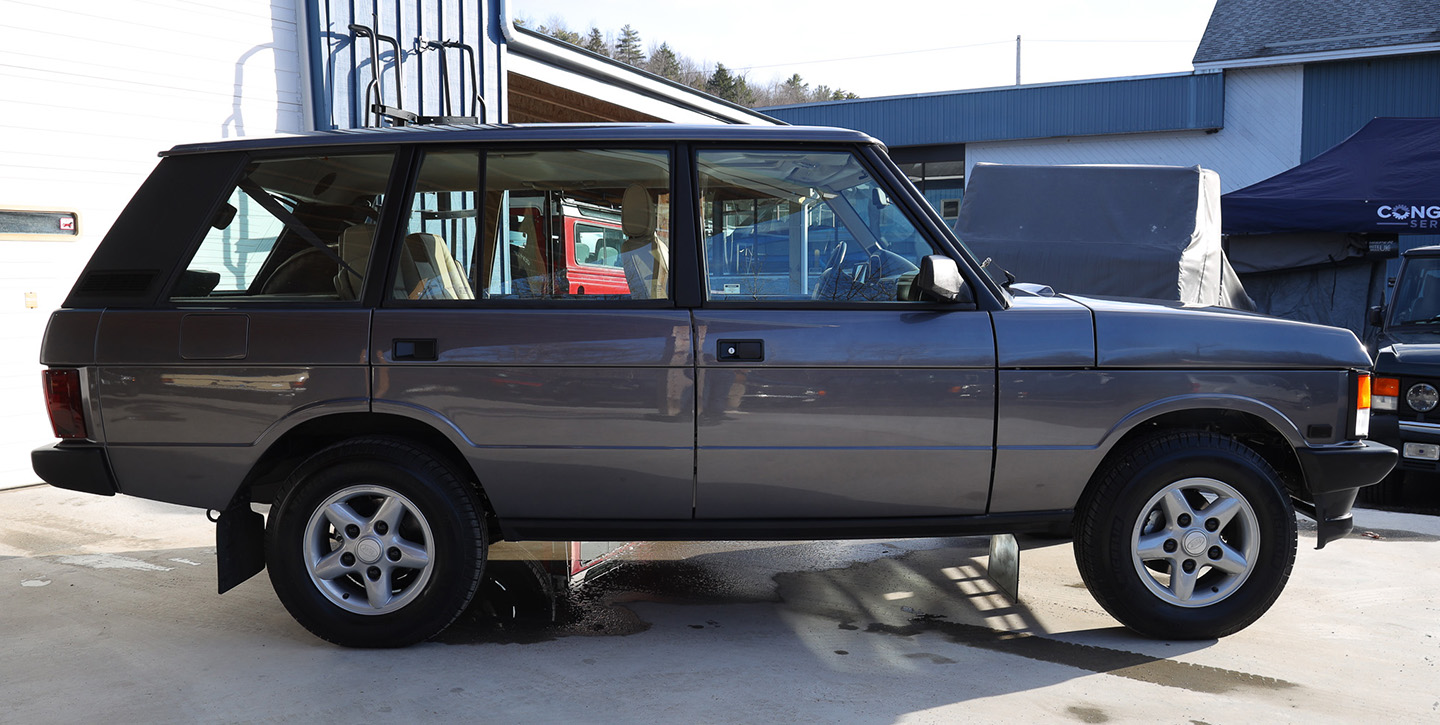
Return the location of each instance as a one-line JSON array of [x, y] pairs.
[[414, 350], [740, 350]]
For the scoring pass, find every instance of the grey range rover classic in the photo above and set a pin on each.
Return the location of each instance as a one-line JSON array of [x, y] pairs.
[[413, 343]]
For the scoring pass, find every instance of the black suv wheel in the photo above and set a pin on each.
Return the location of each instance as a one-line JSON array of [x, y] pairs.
[[1186, 536], [376, 543]]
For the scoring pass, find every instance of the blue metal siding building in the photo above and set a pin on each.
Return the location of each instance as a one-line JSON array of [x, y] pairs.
[[1190, 101], [1342, 96]]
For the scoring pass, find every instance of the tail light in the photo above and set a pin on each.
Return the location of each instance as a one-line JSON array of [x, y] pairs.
[[1362, 405], [1385, 393], [66, 405]]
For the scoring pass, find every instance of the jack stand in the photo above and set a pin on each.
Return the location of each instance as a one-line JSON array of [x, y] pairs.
[[1003, 567]]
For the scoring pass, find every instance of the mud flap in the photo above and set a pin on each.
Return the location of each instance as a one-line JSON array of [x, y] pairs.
[[239, 545]]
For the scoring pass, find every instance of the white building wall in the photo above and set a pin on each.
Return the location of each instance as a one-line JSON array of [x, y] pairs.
[[90, 91], [1261, 138]]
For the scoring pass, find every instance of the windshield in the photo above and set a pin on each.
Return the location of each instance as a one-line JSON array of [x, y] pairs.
[[1417, 295]]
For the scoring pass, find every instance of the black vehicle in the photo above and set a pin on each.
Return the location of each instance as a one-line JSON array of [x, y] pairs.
[[1407, 372]]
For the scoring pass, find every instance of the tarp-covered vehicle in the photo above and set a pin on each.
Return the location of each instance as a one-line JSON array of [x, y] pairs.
[[1148, 232]]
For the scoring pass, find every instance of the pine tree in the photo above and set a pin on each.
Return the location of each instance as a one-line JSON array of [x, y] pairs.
[[663, 63], [565, 34], [728, 86], [595, 43], [627, 48], [794, 90]]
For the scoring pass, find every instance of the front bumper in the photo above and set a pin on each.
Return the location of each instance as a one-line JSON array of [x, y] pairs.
[[74, 467], [1392, 431], [1333, 474]]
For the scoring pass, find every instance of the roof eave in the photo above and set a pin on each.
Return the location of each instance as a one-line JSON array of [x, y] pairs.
[[1317, 57], [545, 49]]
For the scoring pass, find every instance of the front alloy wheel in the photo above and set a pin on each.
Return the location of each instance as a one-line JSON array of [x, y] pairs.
[[1196, 542], [1186, 535]]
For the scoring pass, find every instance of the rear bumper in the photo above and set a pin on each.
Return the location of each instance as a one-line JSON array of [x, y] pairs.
[[1333, 475], [75, 468]]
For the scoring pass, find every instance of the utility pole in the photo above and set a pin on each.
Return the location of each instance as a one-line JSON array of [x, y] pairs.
[[1017, 60]]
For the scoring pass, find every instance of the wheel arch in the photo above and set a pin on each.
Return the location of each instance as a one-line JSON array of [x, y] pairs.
[[1259, 427], [288, 450]]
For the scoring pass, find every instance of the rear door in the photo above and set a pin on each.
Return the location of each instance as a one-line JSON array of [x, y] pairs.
[[824, 389], [569, 403]]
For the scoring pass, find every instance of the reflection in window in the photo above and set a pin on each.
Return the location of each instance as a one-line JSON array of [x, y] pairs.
[[295, 228], [803, 226], [543, 225]]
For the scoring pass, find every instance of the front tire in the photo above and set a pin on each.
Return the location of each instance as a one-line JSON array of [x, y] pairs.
[[375, 542], [1186, 535]]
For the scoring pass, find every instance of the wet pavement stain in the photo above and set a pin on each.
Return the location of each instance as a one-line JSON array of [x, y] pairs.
[[519, 605], [1088, 714]]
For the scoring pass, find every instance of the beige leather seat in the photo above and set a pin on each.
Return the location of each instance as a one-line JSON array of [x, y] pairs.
[[439, 276], [643, 255], [355, 243]]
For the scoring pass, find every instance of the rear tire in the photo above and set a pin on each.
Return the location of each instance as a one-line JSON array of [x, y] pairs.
[[375, 542], [1187, 535]]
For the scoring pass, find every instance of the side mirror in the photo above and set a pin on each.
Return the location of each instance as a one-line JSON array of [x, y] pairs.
[[940, 277], [1377, 316]]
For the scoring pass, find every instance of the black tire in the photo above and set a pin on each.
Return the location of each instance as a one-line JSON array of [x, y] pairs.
[[1145, 517], [405, 566]]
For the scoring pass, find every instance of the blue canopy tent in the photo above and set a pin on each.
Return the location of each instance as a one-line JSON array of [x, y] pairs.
[[1384, 179], [1310, 243]]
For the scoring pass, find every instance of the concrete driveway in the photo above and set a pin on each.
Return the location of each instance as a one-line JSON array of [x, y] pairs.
[[108, 611]]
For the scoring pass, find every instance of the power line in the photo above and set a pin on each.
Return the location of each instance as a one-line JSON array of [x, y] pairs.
[[948, 47], [876, 55]]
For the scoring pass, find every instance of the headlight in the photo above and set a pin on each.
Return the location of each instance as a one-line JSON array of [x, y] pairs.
[[1422, 397]]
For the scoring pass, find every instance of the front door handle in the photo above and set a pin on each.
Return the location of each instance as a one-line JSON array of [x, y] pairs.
[[740, 350]]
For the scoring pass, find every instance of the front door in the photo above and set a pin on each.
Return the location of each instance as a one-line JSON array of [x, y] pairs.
[[826, 388]]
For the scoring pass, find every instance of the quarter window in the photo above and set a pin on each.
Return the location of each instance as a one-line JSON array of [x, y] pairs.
[[291, 229]]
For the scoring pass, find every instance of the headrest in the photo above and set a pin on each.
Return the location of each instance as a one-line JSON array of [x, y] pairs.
[[637, 212]]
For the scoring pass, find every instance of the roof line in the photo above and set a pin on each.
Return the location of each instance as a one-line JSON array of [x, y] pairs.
[[992, 89], [1317, 56], [541, 47]]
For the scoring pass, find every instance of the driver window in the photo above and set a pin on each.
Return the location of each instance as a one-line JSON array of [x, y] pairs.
[[803, 226]]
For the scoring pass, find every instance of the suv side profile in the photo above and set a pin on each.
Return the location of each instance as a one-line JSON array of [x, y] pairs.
[[390, 338]]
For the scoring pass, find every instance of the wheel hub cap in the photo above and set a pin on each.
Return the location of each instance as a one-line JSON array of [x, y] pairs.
[[370, 550], [1194, 543]]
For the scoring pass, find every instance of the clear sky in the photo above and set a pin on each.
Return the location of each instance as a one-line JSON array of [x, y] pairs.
[[890, 47]]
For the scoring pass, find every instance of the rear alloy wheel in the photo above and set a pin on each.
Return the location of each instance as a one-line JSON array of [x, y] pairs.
[[376, 543], [1187, 535]]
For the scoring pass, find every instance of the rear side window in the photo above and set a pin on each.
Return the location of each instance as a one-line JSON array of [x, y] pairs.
[[538, 225], [292, 229]]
